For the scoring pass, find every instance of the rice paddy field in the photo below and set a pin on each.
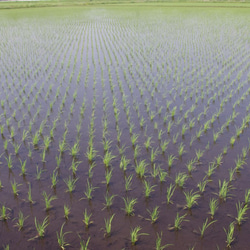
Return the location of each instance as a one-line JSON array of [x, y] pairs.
[[125, 127]]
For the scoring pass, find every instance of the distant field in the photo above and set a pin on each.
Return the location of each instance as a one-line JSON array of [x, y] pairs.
[[181, 3]]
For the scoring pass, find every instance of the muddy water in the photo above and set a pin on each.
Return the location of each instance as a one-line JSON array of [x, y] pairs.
[[149, 61]]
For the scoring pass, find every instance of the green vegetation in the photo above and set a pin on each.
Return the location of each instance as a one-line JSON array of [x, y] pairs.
[[129, 205], [108, 225], [65, 3], [40, 227], [178, 222], [205, 225], [86, 219], [129, 113], [134, 234], [230, 234], [20, 220], [61, 238]]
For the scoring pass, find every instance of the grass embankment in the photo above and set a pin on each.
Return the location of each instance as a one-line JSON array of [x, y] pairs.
[[168, 3]]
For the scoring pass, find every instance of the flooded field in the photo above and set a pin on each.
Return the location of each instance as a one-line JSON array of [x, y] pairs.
[[125, 128]]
